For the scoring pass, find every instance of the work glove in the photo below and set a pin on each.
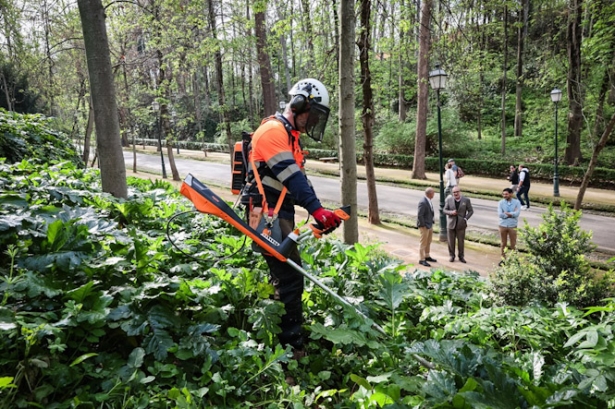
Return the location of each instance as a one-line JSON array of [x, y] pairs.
[[327, 219]]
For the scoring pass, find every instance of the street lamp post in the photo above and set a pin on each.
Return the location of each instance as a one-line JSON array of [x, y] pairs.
[[437, 80], [156, 108], [556, 96]]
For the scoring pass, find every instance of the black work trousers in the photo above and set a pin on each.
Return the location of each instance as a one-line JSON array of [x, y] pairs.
[[289, 285]]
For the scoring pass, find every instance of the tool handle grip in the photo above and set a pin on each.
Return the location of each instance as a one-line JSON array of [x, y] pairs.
[[318, 229]]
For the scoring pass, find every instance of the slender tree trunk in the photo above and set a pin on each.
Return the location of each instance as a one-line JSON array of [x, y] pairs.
[[367, 116], [88, 133], [7, 94], [220, 78], [572, 155], [284, 47], [348, 158], [198, 115], [109, 149], [49, 59], [264, 62], [420, 142], [521, 29], [504, 82], [593, 161], [307, 21], [401, 81]]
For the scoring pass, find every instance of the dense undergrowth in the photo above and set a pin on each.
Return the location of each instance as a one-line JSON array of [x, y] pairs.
[[99, 310]]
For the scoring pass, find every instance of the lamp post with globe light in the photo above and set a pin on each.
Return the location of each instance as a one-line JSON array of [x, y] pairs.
[[437, 80]]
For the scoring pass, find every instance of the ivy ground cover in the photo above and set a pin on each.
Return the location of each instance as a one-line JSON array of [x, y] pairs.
[[98, 309]]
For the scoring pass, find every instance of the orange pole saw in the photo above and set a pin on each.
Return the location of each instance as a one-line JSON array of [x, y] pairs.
[[206, 201]]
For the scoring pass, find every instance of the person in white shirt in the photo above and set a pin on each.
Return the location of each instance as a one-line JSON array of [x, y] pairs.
[[451, 179]]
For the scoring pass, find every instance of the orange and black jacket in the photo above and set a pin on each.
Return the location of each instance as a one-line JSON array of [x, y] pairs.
[[278, 157]]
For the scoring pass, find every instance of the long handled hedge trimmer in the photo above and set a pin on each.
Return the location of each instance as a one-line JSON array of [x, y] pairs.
[[206, 201]]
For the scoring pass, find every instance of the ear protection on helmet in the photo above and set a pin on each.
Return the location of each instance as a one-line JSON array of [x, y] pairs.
[[300, 102]]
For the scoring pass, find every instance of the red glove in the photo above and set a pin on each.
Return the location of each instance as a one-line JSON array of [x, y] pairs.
[[326, 218]]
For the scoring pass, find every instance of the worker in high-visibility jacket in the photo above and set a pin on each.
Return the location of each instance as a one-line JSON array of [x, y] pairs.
[[278, 157]]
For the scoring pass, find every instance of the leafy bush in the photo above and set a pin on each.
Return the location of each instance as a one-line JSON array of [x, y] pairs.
[[100, 309], [555, 268], [27, 137], [396, 138]]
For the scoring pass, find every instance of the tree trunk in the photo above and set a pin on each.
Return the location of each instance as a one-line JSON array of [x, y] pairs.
[[592, 162], [348, 161], [521, 29], [264, 63], [88, 133], [198, 116], [572, 155], [367, 115], [504, 84], [220, 78], [599, 121], [102, 90], [418, 166], [307, 20], [402, 109]]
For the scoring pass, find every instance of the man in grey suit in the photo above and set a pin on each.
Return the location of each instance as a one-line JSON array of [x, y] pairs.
[[458, 210], [424, 222]]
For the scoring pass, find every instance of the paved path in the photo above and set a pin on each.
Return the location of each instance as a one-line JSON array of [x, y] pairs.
[[401, 202]]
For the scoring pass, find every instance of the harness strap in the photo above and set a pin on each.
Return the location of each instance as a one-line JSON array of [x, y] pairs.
[[271, 216]]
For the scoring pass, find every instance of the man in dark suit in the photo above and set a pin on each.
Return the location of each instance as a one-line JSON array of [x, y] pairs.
[[458, 210], [424, 222]]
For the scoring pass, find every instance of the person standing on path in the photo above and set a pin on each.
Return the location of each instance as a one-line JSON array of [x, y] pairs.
[[451, 179], [509, 209], [524, 187], [458, 210], [513, 178], [424, 222], [455, 169]]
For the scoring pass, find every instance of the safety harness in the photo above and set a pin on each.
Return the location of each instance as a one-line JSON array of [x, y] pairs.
[[270, 215]]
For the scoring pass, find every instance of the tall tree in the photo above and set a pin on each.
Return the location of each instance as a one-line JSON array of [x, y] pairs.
[[420, 142], [521, 35], [593, 161], [574, 36], [220, 76], [264, 62], [367, 116], [102, 89], [504, 82], [348, 158]]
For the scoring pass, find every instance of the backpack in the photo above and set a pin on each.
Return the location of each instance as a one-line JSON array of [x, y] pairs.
[[460, 172], [239, 170]]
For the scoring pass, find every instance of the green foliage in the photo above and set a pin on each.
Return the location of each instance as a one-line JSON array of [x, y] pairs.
[[15, 86], [396, 138], [99, 309], [555, 269], [28, 137]]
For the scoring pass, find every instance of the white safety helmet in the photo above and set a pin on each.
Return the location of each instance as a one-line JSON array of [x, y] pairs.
[[310, 95]]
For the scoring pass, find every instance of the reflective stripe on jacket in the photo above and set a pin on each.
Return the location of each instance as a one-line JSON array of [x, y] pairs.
[[279, 160]]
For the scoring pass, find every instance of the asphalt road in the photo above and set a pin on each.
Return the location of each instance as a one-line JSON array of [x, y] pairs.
[[400, 201]]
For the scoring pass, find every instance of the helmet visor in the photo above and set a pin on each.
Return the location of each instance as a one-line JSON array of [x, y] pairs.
[[317, 121]]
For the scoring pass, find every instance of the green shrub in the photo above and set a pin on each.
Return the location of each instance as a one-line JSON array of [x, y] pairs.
[[396, 138], [29, 137], [555, 268]]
